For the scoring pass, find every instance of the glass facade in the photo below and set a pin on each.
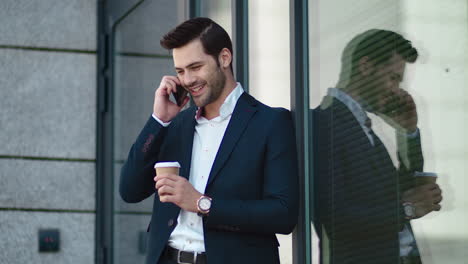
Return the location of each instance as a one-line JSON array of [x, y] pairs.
[[139, 63], [385, 103], [402, 66]]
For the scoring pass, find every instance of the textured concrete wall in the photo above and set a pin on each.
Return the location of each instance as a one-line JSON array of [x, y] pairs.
[[48, 102], [19, 237], [49, 23], [48, 131]]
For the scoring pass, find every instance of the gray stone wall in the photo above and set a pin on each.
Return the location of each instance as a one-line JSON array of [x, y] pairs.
[[48, 128]]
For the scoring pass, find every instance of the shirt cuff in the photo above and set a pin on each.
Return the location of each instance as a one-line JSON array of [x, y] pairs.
[[161, 122], [409, 135]]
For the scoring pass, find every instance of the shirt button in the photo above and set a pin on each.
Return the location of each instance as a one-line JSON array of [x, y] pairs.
[[170, 222]]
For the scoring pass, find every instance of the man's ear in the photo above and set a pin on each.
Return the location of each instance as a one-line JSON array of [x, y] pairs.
[[225, 58], [365, 66]]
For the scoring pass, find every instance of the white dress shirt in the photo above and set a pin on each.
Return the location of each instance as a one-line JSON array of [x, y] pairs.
[[188, 234]]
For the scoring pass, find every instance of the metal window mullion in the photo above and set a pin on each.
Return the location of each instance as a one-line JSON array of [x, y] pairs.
[[104, 144], [194, 8], [240, 14], [300, 107]]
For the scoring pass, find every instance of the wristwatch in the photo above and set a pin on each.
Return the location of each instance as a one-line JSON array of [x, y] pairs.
[[204, 205], [410, 210]]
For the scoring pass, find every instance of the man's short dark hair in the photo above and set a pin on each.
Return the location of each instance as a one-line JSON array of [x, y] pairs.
[[212, 36], [379, 46]]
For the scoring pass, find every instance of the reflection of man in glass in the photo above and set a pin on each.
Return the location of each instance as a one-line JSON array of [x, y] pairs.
[[364, 204]]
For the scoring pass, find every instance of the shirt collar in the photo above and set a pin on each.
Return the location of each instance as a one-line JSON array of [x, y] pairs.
[[355, 108], [226, 108]]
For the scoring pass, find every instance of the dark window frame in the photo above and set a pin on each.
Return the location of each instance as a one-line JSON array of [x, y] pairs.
[[299, 63]]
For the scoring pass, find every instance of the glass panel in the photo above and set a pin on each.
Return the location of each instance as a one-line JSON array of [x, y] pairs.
[[139, 64], [269, 78], [220, 11], [388, 89]]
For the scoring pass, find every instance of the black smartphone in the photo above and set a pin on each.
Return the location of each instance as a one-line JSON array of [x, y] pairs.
[[180, 95]]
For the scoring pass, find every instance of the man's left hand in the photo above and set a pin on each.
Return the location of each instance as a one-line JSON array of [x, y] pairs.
[[425, 198], [177, 190]]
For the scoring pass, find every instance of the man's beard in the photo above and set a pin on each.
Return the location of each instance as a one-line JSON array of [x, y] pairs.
[[216, 85]]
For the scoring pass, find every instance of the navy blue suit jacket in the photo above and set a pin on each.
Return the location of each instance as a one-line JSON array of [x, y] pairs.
[[357, 189], [253, 182]]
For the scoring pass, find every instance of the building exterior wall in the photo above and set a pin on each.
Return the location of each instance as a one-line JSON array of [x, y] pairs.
[[48, 71], [48, 128]]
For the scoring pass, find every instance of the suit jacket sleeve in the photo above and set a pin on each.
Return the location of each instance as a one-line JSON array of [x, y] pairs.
[[136, 179], [411, 159], [277, 210]]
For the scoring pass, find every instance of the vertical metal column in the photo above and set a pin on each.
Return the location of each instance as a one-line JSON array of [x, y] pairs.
[[104, 140], [241, 41], [300, 108], [194, 8]]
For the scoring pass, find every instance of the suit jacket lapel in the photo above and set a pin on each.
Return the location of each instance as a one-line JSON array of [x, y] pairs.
[[186, 138], [243, 112]]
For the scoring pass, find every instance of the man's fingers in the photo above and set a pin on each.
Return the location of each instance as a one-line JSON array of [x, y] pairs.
[[168, 85], [164, 182], [173, 78], [174, 81], [166, 190], [171, 177], [438, 199], [166, 198], [436, 192], [170, 198], [427, 192], [436, 207], [171, 86]]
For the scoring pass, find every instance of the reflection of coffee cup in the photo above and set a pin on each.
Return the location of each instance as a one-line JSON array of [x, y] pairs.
[[423, 177], [167, 168]]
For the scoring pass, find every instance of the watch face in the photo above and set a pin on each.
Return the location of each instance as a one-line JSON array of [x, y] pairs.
[[205, 204]]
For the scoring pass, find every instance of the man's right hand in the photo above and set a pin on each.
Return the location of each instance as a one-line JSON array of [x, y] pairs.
[[398, 109], [163, 108]]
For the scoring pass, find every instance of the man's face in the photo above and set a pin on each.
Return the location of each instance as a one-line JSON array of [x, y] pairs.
[[384, 79], [199, 73]]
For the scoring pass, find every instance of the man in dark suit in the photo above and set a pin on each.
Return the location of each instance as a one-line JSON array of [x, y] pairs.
[[364, 203], [238, 182]]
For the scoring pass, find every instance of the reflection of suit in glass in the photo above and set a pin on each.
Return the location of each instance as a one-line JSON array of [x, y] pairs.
[[358, 213]]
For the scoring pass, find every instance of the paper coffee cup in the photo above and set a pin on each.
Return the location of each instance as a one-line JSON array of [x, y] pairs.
[[423, 177], [167, 167]]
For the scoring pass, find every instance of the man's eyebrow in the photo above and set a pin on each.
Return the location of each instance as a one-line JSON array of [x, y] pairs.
[[190, 65]]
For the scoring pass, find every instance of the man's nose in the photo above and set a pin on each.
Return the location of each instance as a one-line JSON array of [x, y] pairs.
[[188, 79]]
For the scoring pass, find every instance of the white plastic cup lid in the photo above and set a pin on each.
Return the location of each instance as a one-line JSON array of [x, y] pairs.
[[167, 164], [425, 174]]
